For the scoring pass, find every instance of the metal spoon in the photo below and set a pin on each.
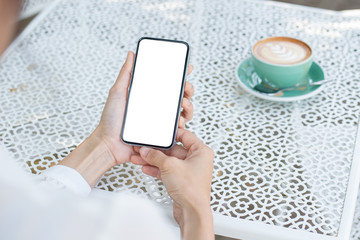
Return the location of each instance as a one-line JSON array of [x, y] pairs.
[[271, 91]]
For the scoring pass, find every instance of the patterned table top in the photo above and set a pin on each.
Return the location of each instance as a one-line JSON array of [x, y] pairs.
[[288, 169]]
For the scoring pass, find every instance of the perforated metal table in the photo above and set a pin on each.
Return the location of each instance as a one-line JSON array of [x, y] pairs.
[[282, 170]]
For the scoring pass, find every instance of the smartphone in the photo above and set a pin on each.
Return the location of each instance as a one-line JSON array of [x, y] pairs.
[[155, 93]]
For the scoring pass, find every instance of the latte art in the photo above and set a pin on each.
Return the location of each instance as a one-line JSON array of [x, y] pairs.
[[281, 51]]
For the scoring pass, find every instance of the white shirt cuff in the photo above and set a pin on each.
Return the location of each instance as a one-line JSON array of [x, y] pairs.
[[71, 179]]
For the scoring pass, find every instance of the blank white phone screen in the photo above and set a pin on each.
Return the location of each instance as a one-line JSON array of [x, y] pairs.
[[155, 93]]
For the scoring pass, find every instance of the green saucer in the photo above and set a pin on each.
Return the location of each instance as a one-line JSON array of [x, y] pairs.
[[245, 72]]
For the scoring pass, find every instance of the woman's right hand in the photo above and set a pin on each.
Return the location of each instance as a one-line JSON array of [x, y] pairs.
[[186, 172]]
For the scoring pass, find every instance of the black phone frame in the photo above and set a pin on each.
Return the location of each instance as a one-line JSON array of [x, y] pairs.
[[180, 96]]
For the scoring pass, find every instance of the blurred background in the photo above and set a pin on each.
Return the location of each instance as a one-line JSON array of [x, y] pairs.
[[328, 4], [337, 5]]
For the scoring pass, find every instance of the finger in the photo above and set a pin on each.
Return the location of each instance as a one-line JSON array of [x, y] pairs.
[[136, 149], [189, 90], [190, 69], [137, 160], [123, 80], [153, 157], [151, 171], [177, 151], [181, 122], [188, 139], [188, 109]]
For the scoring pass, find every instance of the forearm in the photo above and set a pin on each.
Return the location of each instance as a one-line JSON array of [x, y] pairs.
[[91, 159]]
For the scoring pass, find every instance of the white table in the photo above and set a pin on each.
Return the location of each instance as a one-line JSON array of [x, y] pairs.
[[282, 170], [32, 7]]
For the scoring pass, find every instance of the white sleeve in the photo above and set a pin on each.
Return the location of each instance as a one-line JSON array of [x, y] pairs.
[[34, 211], [70, 178]]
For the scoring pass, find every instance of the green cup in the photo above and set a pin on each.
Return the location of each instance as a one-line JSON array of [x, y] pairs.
[[281, 62]]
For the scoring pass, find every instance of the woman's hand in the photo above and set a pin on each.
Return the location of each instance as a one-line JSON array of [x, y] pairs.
[[186, 173], [110, 126], [104, 149]]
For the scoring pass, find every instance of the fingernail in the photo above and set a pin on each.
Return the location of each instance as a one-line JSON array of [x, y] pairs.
[[144, 151], [128, 54]]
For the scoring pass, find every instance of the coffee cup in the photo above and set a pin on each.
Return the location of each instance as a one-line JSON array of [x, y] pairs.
[[281, 62]]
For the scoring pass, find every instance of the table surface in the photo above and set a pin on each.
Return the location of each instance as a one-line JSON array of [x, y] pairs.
[[32, 7], [288, 169]]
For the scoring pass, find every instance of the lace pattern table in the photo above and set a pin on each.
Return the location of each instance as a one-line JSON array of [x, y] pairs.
[[282, 170]]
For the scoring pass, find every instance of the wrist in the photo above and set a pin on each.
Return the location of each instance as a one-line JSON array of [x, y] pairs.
[[197, 221], [91, 159]]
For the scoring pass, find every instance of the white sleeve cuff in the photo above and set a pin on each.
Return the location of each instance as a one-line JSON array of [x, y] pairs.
[[71, 179]]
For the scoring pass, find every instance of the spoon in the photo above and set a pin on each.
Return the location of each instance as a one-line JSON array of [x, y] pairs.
[[271, 91]]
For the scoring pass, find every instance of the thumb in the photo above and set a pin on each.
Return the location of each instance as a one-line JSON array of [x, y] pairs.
[[123, 80], [153, 157]]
